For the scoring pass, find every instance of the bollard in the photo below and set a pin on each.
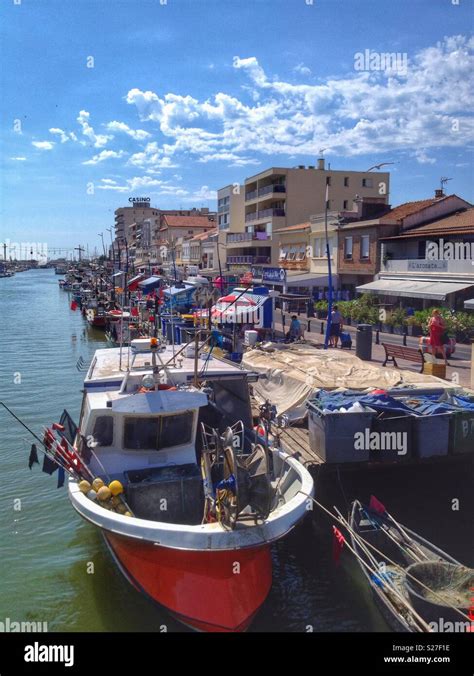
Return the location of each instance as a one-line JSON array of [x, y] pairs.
[[283, 320], [309, 325], [405, 339], [377, 337], [322, 328]]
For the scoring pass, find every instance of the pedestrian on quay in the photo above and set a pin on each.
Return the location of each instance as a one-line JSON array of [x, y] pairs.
[[437, 327], [336, 326], [295, 332]]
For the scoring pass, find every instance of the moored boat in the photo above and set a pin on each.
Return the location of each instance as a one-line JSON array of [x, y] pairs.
[[394, 561], [204, 499]]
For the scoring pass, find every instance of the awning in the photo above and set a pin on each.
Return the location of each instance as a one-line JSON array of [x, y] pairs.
[[133, 283], [150, 283], [469, 304], [176, 290], [307, 279], [411, 288]]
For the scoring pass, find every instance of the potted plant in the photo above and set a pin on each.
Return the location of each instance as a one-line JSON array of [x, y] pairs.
[[414, 326], [398, 316]]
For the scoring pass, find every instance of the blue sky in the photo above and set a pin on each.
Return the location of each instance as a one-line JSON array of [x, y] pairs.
[[189, 96]]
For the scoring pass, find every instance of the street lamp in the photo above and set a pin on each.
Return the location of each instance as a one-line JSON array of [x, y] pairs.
[[101, 235]]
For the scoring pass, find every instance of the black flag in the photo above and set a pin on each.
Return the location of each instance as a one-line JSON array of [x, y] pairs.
[[49, 466], [33, 456]]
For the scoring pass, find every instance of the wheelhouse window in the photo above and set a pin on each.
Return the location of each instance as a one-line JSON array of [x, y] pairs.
[[103, 431], [158, 432]]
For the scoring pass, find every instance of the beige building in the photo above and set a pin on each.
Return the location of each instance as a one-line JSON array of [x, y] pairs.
[[281, 197]]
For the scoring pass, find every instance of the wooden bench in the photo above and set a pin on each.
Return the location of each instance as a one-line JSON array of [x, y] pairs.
[[394, 352]]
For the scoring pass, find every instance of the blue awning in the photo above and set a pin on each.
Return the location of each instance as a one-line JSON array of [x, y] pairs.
[[150, 283]]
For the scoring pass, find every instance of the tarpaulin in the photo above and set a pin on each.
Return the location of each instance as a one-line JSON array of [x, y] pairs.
[[292, 373]]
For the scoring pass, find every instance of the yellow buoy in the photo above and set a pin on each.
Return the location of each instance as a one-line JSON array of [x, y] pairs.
[[97, 483], [115, 487], [84, 486], [103, 493]]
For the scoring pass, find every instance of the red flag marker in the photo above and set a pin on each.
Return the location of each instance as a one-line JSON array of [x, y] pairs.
[[337, 544], [73, 305], [376, 506]]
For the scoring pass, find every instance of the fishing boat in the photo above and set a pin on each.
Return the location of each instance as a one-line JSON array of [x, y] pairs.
[[415, 585], [203, 499]]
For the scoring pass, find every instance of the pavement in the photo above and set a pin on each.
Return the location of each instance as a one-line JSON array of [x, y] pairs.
[[459, 369]]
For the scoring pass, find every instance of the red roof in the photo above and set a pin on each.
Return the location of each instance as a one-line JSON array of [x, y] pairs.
[[460, 223], [409, 208], [172, 221], [298, 226]]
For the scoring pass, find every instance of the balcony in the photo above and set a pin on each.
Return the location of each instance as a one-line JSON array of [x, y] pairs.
[[301, 264], [269, 189], [248, 260], [224, 208], [233, 237], [265, 213], [251, 195]]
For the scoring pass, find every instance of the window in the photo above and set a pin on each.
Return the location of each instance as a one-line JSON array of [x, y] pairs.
[[283, 254], [103, 431], [157, 432], [346, 181], [364, 246], [348, 247], [367, 183], [345, 204], [301, 253]]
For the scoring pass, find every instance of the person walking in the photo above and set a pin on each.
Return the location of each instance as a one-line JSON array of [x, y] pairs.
[[436, 327], [336, 326]]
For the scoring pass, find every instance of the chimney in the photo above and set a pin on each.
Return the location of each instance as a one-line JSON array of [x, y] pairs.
[[321, 163], [439, 193]]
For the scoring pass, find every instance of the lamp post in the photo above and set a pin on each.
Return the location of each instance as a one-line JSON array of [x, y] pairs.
[[328, 254], [101, 235]]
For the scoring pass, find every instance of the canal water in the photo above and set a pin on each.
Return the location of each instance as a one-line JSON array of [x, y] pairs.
[[46, 549]]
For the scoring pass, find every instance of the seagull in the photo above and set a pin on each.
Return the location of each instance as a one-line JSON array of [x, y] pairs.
[[377, 166]]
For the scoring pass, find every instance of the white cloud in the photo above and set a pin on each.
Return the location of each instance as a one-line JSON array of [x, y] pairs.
[[153, 157], [152, 185], [98, 140], [361, 113], [302, 69], [105, 155], [59, 132], [43, 145], [137, 134], [18, 159]]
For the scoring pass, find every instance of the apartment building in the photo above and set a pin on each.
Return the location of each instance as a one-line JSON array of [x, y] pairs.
[[427, 258], [280, 197], [230, 208]]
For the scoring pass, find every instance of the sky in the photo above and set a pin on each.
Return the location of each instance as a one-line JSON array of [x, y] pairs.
[[102, 100]]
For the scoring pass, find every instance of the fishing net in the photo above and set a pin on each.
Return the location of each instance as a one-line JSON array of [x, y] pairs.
[[445, 583]]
